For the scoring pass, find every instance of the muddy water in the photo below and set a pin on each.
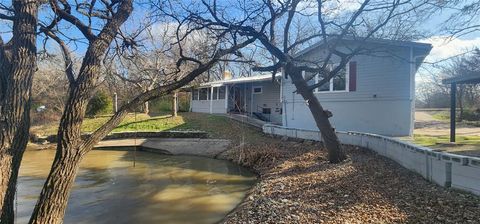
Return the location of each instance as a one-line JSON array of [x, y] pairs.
[[159, 189]]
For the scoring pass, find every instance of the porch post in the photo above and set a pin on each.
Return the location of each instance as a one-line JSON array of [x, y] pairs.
[[245, 97], [453, 105], [251, 99], [226, 99], [211, 99]]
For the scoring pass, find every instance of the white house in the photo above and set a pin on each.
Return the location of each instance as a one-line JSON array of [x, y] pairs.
[[374, 93], [257, 96]]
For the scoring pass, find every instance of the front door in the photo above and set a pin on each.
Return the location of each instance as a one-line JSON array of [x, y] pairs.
[[237, 99]]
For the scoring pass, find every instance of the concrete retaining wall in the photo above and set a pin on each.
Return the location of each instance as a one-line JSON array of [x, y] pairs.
[[445, 169], [142, 134]]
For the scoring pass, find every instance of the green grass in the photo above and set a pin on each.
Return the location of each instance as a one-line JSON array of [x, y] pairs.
[[140, 122], [441, 115], [215, 125], [426, 140]]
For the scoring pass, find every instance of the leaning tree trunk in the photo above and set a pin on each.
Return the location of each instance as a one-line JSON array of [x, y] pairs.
[[17, 66], [329, 138], [52, 203]]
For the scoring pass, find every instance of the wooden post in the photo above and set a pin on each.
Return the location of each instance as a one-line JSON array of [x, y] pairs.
[[453, 105], [174, 104]]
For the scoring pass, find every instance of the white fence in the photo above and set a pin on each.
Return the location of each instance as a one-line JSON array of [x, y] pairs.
[[445, 169]]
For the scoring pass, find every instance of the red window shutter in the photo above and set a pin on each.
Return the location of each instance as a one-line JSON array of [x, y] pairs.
[[352, 76]]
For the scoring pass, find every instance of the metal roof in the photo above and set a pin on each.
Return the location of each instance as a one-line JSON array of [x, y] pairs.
[[266, 76], [401, 43], [463, 79]]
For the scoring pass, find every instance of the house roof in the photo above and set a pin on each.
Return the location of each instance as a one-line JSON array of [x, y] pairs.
[[266, 76], [400, 43], [463, 79]]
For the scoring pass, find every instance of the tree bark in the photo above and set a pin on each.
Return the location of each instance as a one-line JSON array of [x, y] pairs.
[[329, 137], [51, 205], [17, 66]]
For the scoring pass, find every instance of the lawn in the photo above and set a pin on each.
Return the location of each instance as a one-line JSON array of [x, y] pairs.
[[217, 126], [465, 145], [426, 140]]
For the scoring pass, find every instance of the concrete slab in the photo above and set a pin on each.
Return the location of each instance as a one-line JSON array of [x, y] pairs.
[[175, 146]]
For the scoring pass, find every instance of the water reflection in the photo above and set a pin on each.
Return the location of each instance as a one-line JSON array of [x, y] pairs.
[[159, 189]]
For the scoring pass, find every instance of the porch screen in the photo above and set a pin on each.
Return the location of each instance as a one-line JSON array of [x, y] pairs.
[[221, 93], [203, 94]]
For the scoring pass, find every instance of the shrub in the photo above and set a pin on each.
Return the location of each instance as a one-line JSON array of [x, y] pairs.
[[100, 104]]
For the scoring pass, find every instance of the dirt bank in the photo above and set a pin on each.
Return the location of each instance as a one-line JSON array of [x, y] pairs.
[[298, 185]]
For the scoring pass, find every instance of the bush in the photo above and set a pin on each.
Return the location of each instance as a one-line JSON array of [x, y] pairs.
[[164, 103], [471, 114], [100, 104]]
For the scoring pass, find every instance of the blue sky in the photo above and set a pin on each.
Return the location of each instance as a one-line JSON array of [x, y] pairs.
[[443, 47]]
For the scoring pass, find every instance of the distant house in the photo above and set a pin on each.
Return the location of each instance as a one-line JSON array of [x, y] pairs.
[[374, 93]]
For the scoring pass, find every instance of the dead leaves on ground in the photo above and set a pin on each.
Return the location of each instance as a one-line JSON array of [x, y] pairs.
[[298, 185]]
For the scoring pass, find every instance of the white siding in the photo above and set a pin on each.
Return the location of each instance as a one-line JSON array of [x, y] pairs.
[[381, 104], [203, 106], [269, 98]]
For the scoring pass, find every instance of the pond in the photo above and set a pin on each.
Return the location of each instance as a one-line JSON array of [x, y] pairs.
[[159, 189]]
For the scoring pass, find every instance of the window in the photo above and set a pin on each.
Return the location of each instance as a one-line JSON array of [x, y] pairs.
[[266, 111], [257, 90], [221, 93], [325, 87], [195, 94], [338, 83], [215, 93], [203, 94]]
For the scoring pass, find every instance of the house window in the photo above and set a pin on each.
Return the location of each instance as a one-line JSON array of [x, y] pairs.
[[221, 93], [257, 90], [203, 94], [338, 83], [266, 111], [215, 93], [195, 94]]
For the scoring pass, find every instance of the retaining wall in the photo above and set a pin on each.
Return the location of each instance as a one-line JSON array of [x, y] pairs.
[[445, 169], [140, 134]]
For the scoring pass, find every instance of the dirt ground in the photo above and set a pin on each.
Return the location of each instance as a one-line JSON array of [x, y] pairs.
[[426, 124], [298, 185]]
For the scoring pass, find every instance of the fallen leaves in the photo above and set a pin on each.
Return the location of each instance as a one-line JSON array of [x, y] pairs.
[[298, 185]]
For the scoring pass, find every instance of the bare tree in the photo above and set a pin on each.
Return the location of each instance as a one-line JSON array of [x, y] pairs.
[[330, 23], [463, 19], [71, 147], [17, 66]]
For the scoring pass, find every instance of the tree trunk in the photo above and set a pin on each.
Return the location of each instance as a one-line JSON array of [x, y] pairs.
[[71, 148], [329, 138], [460, 95], [17, 66], [174, 103], [59, 182], [146, 107]]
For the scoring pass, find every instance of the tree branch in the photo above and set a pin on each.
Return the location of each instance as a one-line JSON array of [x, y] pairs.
[[69, 70], [66, 15]]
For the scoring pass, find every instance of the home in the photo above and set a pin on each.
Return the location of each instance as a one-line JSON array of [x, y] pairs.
[[257, 96], [374, 93]]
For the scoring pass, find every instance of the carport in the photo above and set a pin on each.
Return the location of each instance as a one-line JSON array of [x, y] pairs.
[[453, 82]]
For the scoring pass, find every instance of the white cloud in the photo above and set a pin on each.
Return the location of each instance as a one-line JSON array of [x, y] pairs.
[[445, 47]]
